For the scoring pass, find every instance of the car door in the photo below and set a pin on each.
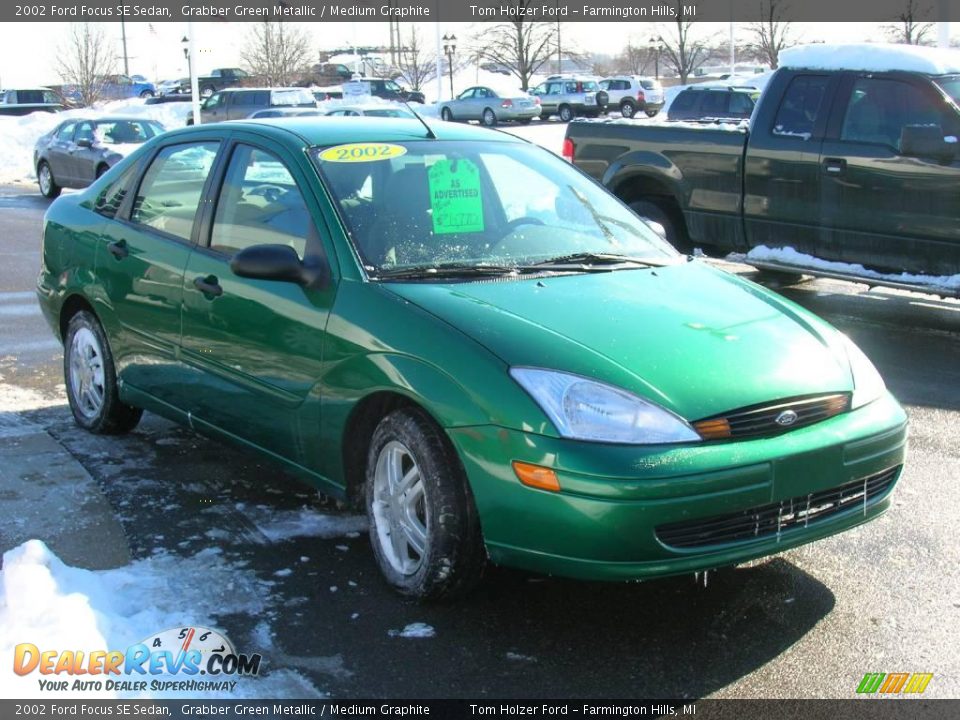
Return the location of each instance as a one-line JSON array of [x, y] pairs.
[[551, 97], [256, 346], [460, 106], [84, 157], [215, 108], [142, 258], [59, 155], [881, 207]]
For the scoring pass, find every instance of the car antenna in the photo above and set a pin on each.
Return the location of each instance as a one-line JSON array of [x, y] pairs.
[[430, 134]]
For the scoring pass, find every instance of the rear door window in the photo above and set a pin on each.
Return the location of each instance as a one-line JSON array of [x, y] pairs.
[[171, 189], [684, 101], [801, 107]]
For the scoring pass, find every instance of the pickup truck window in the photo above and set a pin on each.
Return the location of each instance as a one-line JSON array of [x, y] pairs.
[[879, 109], [801, 106]]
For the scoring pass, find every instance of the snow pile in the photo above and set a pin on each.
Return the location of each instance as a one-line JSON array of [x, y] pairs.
[[789, 256], [57, 607], [279, 525], [872, 57], [414, 630], [19, 135]]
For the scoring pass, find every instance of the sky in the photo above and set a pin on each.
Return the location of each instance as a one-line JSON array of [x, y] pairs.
[[28, 50]]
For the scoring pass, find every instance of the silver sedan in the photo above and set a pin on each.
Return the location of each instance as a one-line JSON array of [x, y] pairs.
[[490, 107]]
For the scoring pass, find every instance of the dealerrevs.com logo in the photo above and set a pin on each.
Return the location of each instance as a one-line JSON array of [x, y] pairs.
[[185, 653], [894, 683]]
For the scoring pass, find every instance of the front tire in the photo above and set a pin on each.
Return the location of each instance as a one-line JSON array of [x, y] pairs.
[[652, 113], [146, 94], [446, 115], [91, 379], [48, 186], [206, 92], [489, 118], [423, 522], [566, 113]]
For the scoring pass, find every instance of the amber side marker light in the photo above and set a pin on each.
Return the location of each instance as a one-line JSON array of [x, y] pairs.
[[536, 476], [713, 429]]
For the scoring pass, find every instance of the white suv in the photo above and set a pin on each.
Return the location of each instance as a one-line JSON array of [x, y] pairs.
[[634, 94]]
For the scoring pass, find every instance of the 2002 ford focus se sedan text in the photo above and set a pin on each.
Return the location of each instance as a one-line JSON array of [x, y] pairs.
[[467, 335]]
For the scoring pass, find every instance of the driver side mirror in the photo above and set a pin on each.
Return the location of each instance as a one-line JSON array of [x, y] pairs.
[[85, 143], [280, 263], [926, 141]]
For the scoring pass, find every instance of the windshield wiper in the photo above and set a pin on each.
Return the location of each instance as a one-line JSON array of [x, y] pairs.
[[591, 259], [447, 270]]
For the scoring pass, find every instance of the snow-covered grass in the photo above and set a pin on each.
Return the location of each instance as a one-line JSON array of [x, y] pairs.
[[58, 607], [872, 57], [19, 135], [789, 256]]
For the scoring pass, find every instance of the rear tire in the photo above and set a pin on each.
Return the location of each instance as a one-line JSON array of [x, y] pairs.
[[48, 186], [565, 113], [146, 94], [207, 91], [628, 109], [424, 526], [665, 213], [489, 117], [91, 379]]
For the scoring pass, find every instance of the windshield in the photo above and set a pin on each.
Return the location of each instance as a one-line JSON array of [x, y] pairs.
[[476, 204], [951, 86], [388, 112], [126, 132]]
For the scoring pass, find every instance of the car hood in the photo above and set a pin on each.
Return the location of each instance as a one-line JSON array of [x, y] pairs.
[[692, 338]]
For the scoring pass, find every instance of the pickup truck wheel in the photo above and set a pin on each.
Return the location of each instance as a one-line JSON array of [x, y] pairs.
[[652, 113], [489, 118], [660, 212], [206, 91], [628, 109], [566, 113], [48, 186], [146, 94], [446, 115]]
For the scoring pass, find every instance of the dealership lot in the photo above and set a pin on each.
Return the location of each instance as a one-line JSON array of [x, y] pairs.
[[880, 598]]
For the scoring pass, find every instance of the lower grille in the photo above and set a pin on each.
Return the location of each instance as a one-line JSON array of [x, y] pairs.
[[773, 519]]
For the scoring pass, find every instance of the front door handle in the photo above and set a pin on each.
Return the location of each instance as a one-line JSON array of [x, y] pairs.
[[834, 166], [118, 249], [208, 285]]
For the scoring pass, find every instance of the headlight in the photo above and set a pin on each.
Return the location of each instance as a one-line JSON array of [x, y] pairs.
[[585, 409], [867, 383]]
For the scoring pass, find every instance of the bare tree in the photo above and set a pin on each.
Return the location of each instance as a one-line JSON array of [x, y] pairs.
[[84, 61], [416, 64], [635, 59], [682, 49], [772, 34], [906, 29], [276, 51], [521, 45]]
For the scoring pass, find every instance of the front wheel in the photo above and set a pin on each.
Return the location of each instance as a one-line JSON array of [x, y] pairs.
[[206, 92], [146, 94], [48, 186], [566, 113], [489, 117], [652, 113], [423, 523], [446, 115], [91, 379]]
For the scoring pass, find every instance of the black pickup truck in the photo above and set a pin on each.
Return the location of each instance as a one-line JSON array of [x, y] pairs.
[[24, 102], [857, 167]]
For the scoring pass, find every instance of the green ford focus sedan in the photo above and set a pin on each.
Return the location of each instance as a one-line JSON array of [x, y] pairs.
[[464, 334]]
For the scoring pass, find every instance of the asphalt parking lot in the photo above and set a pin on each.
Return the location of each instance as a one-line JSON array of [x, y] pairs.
[[809, 623]]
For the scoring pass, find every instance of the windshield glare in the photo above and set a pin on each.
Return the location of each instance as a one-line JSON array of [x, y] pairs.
[[434, 203], [951, 86], [125, 132]]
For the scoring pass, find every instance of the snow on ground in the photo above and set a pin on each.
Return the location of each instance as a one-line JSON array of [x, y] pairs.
[[872, 57], [58, 607], [789, 256], [414, 630], [19, 135], [279, 525]]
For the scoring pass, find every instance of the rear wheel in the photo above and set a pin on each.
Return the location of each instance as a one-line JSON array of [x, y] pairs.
[[91, 379], [48, 186], [628, 109], [665, 213], [423, 523], [146, 94], [489, 117], [445, 114], [207, 91], [566, 113]]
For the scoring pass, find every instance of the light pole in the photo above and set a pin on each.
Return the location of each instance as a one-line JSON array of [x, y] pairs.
[[449, 48], [185, 42], [656, 47]]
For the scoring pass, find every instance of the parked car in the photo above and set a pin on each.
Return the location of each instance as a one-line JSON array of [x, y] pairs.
[[79, 150], [219, 79], [847, 163], [383, 89], [382, 110], [278, 112], [570, 96], [240, 103], [490, 107], [29, 100], [174, 87], [633, 94], [713, 104], [112, 87], [420, 323]]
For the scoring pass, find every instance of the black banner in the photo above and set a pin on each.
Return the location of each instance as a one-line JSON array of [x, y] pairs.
[[478, 10], [861, 709]]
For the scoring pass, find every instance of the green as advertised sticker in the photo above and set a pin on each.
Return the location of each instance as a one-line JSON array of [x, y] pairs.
[[455, 197]]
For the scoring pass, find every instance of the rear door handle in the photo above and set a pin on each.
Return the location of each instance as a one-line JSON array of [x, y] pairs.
[[834, 166], [118, 249], [208, 285]]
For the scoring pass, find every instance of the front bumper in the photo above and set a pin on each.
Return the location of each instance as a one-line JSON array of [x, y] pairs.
[[602, 524]]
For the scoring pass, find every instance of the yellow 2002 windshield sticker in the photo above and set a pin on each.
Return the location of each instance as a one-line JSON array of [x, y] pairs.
[[455, 197], [362, 152]]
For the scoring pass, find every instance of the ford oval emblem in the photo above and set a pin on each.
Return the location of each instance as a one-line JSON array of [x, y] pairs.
[[786, 418]]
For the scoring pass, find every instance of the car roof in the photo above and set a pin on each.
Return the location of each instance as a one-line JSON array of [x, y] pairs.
[[339, 130], [722, 88]]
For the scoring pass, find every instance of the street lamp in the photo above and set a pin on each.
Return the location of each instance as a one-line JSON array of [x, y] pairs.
[[185, 42], [449, 48], [656, 46]]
